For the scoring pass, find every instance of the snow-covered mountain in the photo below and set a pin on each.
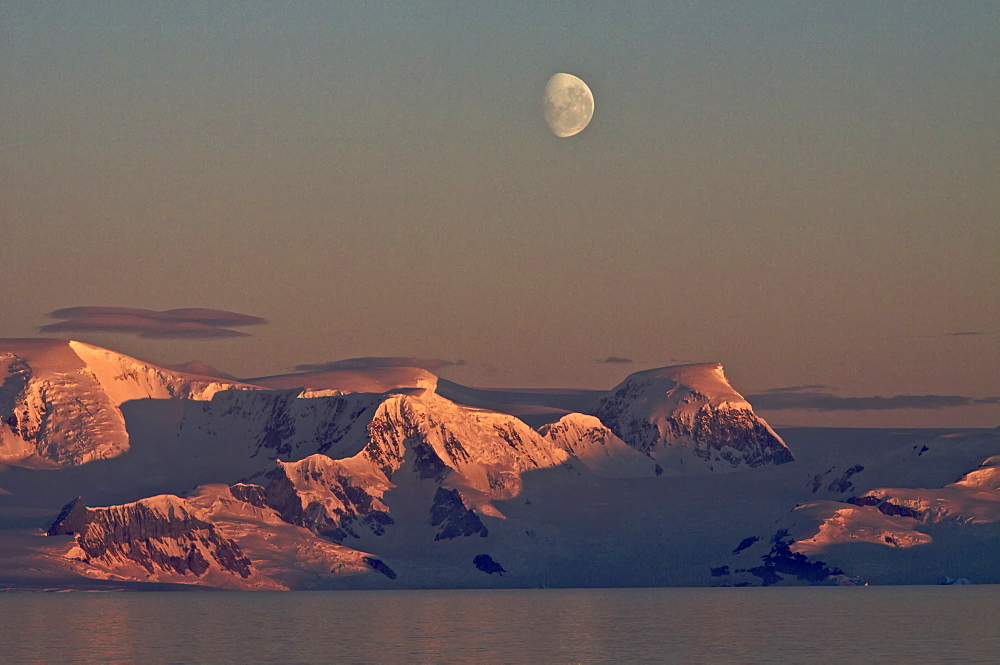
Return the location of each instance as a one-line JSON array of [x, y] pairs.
[[60, 400], [689, 417], [396, 479]]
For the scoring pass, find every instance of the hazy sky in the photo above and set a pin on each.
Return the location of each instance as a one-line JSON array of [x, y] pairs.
[[806, 192]]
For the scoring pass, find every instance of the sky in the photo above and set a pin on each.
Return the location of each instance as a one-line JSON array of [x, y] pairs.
[[805, 192]]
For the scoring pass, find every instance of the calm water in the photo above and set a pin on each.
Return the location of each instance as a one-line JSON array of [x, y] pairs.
[[796, 625]]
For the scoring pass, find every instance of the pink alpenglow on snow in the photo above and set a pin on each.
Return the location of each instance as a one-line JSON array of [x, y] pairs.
[[391, 477]]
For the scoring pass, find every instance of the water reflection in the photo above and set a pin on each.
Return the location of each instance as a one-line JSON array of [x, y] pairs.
[[595, 625]]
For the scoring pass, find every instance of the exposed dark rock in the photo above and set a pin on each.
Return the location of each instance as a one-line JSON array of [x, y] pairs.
[[279, 428], [255, 495], [450, 511], [781, 559], [196, 563], [485, 563], [12, 391], [885, 507], [497, 480], [745, 543], [843, 484], [514, 440], [380, 566], [143, 535], [390, 434], [896, 510], [427, 464], [280, 494], [817, 481], [358, 506], [766, 574], [455, 450], [337, 425], [72, 519]]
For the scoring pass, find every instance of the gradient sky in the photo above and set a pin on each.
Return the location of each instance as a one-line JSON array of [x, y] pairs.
[[806, 192]]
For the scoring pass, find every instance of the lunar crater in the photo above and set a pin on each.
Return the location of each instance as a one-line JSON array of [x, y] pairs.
[[568, 105]]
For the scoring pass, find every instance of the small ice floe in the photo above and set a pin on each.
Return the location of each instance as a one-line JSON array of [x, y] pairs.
[[956, 580]]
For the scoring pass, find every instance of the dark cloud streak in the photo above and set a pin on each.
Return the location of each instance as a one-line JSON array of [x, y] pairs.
[[961, 333], [214, 317], [374, 362], [819, 401], [797, 389], [615, 360]]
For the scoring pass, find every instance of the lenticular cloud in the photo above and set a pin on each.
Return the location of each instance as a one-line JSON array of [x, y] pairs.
[[186, 323]]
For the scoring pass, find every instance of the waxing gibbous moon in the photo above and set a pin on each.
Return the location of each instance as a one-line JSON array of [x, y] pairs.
[[568, 105]]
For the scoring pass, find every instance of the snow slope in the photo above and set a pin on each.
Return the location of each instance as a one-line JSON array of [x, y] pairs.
[[373, 380], [596, 448]]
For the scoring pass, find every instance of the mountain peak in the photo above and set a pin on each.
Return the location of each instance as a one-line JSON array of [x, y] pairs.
[[706, 379], [692, 413]]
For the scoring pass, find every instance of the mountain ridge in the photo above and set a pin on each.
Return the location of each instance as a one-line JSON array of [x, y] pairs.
[[424, 485]]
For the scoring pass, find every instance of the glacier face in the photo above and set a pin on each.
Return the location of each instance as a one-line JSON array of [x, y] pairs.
[[60, 401], [54, 411], [246, 486]]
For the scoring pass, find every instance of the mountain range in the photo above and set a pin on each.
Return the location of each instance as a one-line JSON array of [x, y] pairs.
[[121, 474]]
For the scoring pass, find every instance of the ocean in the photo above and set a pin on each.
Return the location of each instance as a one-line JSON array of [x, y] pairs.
[[954, 624]]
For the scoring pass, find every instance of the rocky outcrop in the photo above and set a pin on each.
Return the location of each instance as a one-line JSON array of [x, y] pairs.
[[782, 561], [488, 565], [160, 535], [380, 566], [322, 495], [454, 518], [255, 495], [887, 508]]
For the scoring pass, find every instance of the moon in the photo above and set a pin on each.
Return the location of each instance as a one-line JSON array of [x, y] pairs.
[[568, 105]]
